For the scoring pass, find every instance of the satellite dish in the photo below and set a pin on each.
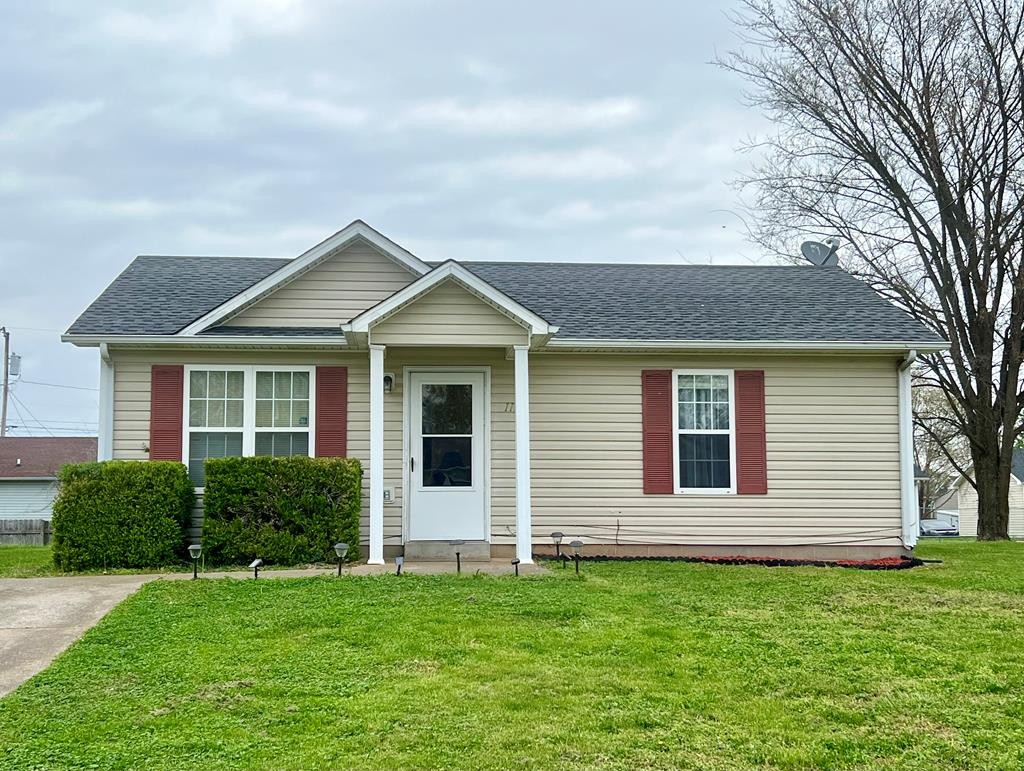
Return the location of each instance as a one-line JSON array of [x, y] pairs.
[[825, 254]]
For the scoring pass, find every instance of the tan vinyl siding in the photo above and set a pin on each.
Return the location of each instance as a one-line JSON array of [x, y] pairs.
[[448, 315], [832, 444], [968, 499], [343, 286], [832, 452]]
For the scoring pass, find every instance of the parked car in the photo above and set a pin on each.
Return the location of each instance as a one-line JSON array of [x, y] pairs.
[[938, 527]]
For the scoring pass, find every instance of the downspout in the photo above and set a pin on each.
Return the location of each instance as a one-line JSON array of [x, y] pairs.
[[105, 434], [910, 515]]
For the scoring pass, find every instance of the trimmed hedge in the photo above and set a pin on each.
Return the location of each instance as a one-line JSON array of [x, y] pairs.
[[286, 511], [121, 514]]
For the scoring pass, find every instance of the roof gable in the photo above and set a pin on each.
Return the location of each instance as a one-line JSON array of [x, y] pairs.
[[450, 272], [355, 231], [345, 284]]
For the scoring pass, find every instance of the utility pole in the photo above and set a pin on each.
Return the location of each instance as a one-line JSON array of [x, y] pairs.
[[7, 365]]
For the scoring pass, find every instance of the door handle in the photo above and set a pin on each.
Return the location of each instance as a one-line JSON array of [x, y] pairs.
[[412, 463]]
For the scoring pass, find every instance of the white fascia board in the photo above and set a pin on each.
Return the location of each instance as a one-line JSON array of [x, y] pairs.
[[309, 259], [242, 341], [825, 346], [469, 280]]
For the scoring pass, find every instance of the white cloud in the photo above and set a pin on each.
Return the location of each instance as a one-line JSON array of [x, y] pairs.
[[593, 163], [210, 27], [324, 112], [47, 120], [521, 116]]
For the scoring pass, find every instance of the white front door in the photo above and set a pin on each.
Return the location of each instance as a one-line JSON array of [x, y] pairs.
[[447, 477]]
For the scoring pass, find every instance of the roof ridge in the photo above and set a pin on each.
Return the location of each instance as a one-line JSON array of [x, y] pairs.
[[211, 257], [626, 264]]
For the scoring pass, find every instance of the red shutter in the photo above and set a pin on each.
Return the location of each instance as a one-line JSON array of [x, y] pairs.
[[331, 412], [656, 417], [166, 394], [751, 449]]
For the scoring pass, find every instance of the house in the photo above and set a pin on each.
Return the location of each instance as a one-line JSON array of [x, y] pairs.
[[968, 501], [28, 480], [644, 409]]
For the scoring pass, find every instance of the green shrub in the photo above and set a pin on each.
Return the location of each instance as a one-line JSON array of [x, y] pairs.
[[124, 514], [286, 511]]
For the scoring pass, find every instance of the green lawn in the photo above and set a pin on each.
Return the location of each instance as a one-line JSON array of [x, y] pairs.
[[637, 665], [26, 562]]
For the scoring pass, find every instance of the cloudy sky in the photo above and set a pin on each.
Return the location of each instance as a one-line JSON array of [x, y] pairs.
[[588, 130]]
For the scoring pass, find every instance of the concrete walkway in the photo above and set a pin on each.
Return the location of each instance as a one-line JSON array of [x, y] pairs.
[[40, 617]]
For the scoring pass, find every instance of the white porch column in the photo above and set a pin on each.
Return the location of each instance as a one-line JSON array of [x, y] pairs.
[[524, 517], [376, 455], [105, 435]]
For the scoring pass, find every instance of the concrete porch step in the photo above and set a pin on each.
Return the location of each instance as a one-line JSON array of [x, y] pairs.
[[442, 551]]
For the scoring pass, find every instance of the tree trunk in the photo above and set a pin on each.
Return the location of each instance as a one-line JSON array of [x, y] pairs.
[[992, 475]]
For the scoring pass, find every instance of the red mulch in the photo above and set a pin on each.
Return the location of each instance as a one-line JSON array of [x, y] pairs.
[[883, 563]]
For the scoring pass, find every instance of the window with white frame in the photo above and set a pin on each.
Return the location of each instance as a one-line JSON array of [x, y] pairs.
[[246, 410], [705, 441]]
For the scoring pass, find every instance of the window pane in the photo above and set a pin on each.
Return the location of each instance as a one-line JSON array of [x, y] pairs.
[[447, 409], [447, 461], [208, 444], [702, 415], [197, 412], [215, 413], [264, 385], [721, 416], [704, 461], [216, 385], [233, 412], [720, 381], [300, 385], [281, 444], [300, 413], [197, 384], [282, 413], [264, 413], [282, 385], [235, 384], [687, 419]]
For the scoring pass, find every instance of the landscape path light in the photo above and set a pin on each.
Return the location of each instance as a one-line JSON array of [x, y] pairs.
[[577, 548], [256, 564], [515, 566], [399, 561], [341, 549], [194, 551], [557, 537], [458, 554]]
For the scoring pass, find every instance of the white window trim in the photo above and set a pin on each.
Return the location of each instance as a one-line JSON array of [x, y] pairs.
[[248, 427], [731, 490]]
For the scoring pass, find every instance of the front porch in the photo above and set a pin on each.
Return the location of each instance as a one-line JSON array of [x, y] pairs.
[[448, 452]]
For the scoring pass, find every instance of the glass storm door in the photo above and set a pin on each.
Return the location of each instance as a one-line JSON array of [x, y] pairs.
[[446, 464]]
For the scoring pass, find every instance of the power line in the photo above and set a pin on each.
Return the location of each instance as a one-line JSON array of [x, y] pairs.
[[19, 401], [58, 385]]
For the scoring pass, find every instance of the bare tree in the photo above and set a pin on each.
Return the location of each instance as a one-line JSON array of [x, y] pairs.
[[901, 129]]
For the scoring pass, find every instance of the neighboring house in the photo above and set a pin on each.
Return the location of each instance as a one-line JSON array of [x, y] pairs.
[[968, 500], [646, 409], [28, 472]]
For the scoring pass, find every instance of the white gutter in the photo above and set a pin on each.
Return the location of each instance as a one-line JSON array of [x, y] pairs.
[[910, 515], [92, 341], [752, 345], [105, 434]]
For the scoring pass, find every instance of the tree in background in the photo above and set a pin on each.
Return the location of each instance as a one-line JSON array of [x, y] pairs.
[[940, 449], [901, 130]]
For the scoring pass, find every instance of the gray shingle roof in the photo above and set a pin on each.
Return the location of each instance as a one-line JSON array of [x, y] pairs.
[[703, 302], [161, 295]]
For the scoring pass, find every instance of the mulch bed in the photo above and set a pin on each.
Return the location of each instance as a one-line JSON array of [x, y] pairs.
[[883, 563]]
